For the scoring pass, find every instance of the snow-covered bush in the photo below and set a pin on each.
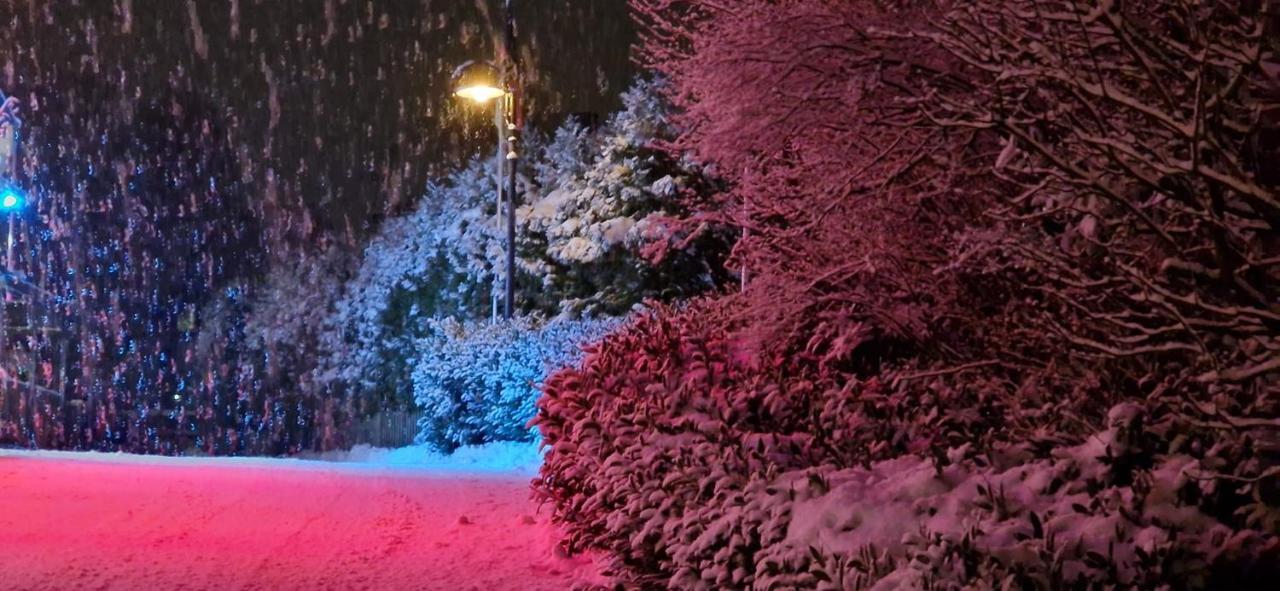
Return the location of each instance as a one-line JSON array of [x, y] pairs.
[[478, 382], [696, 466]]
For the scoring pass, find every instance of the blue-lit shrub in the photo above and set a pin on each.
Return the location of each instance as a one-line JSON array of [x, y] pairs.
[[479, 382]]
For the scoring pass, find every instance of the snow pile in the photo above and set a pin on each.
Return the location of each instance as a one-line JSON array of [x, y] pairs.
[[519, 457]]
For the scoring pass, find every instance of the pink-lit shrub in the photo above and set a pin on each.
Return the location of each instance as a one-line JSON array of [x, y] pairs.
[[981, 344], [696, 467]]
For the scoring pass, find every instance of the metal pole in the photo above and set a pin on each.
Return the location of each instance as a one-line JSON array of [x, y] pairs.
[[500, 177], [513, 82], [8, 257], [4, 305]]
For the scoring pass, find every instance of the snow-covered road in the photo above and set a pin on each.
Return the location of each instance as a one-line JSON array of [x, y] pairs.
[[72, 521]]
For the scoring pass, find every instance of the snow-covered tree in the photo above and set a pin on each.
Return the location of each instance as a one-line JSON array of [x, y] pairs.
[[435, 262], [605, 228], [291, 311], [258, 348]]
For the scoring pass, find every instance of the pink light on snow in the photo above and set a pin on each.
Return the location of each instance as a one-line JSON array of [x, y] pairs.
[[126, 523]]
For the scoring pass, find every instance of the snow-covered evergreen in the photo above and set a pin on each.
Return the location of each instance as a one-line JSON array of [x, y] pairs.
[[605, 200], [435, 262]]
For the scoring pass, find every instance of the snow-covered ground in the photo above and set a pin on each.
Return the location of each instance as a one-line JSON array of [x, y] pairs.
[[381, 519]]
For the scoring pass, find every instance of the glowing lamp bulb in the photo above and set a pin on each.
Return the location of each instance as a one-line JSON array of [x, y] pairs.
[[480, 94], [10, 200], [478, 81]]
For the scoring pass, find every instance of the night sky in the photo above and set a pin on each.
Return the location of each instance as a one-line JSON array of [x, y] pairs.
[[341, 105]]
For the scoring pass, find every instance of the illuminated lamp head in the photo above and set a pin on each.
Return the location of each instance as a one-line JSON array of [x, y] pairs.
[[478, 82]]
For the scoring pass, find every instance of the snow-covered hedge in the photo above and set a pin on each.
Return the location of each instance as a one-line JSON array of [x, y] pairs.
[[695, 465], [478, 382]]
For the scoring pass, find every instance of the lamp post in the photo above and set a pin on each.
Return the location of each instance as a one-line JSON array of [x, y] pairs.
[[482, 82], [11, 202], [11, 199]]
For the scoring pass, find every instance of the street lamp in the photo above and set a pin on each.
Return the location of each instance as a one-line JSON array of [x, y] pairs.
[[11, 199], [482, 82], [479, 82]]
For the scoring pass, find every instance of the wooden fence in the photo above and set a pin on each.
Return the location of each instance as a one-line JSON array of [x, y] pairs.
[[386, 429]]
